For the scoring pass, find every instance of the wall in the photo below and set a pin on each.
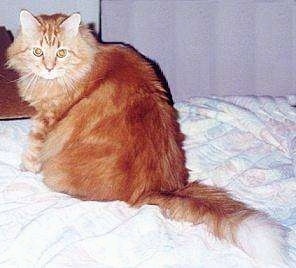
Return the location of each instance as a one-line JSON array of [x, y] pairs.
[[9, 10], [222, 47]]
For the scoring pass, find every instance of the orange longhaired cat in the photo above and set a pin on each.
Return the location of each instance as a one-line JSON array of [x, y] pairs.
[[104, 130]]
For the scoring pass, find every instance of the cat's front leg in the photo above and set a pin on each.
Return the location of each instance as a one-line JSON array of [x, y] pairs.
[[31, 157], [30, 161]]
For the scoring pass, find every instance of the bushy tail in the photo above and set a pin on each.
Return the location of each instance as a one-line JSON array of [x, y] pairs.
[[225, 218]]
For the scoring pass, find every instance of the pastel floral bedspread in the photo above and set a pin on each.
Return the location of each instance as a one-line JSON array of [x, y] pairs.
[[244, 144]]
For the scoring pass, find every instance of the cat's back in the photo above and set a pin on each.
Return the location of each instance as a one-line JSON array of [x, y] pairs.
[[124, 66]]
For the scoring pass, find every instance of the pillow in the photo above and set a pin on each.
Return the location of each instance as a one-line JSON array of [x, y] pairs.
[[11, 105]]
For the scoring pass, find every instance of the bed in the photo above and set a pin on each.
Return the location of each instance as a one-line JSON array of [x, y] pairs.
[[244, 144]]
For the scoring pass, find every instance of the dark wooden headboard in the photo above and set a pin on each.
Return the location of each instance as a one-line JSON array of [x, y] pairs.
[[11, 106]]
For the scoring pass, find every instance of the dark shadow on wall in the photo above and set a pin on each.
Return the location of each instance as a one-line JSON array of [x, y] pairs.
[[92, 27], [162, 79]]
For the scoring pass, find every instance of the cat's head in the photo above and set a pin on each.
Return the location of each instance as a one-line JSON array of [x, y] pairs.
[[51, 47]]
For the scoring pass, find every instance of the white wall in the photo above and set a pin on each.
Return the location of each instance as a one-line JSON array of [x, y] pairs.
[[222, 47], [9, 10]]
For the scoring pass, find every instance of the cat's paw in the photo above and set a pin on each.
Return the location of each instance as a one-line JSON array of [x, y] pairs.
[[30, 163]]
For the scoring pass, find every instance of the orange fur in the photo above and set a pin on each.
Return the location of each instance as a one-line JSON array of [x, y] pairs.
[[114, 135]]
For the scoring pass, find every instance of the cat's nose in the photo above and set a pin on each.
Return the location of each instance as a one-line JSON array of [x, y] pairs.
[[49, 69]]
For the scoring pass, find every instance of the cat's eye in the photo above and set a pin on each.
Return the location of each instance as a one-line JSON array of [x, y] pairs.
[[61, 53], [37, 51]]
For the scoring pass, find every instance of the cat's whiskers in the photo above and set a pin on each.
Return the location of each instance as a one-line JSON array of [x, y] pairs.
[[31, 83], [28, 85], [23, 77], [70, 82], [66, 86]]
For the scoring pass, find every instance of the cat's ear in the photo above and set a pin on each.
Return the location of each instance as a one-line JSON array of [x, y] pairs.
[[29, 24], [70, 26]]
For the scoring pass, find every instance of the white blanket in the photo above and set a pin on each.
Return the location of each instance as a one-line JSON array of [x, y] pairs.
[[245, 144]]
